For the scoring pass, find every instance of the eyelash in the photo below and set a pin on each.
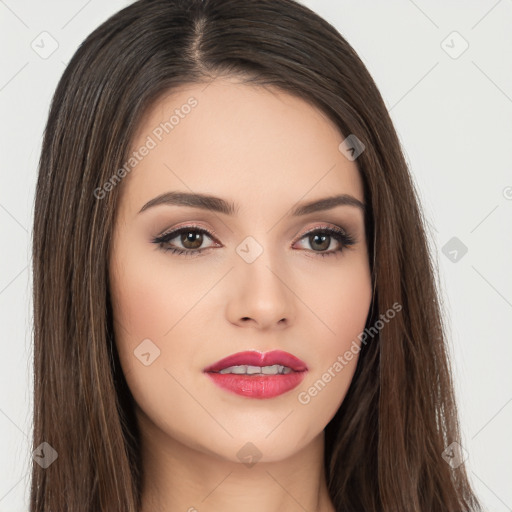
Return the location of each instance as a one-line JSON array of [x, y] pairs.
[[344, 239]]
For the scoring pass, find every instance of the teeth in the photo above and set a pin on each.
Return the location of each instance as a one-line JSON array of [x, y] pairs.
[[272, 370], [276, 369]]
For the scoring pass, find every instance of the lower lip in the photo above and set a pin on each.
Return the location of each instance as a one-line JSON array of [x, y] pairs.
[[267, 386]]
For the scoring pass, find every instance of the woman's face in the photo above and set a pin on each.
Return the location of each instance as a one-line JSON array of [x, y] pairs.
[[262, 282]]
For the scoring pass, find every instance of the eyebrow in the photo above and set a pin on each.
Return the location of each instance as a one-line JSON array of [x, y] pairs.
[[216, 204]]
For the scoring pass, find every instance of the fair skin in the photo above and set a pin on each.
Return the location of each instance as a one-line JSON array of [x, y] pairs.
[[267, 152]]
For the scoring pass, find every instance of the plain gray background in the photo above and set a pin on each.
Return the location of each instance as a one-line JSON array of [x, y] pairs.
[[444, 71]]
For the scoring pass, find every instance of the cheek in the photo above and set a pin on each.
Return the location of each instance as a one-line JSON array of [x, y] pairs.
[[147, 307], [343, 306], [151, 295], [150, 303], [349, 310]]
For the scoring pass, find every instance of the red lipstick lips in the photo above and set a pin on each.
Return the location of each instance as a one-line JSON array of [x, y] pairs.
[[253, 358], [258, 375]]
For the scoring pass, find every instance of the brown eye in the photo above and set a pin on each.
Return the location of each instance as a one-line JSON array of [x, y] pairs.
[[187, 240], [322, 242], [191, 239]]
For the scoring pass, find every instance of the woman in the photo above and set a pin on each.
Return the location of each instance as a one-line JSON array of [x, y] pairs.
[[234, 301]]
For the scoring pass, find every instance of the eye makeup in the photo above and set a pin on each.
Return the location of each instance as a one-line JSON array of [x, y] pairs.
[[319, 234]]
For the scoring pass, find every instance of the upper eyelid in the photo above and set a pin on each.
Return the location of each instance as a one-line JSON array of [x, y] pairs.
[[176, 231]]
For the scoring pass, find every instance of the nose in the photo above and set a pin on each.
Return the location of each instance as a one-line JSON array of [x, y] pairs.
[[261, 294]]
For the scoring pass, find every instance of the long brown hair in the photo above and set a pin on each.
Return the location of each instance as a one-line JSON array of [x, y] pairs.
[[384, 447]]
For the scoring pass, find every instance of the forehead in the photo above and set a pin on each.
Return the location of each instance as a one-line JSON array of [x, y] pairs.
[[243, 142]]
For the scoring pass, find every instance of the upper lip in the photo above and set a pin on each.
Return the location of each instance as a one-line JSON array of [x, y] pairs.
[[255, 358]]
